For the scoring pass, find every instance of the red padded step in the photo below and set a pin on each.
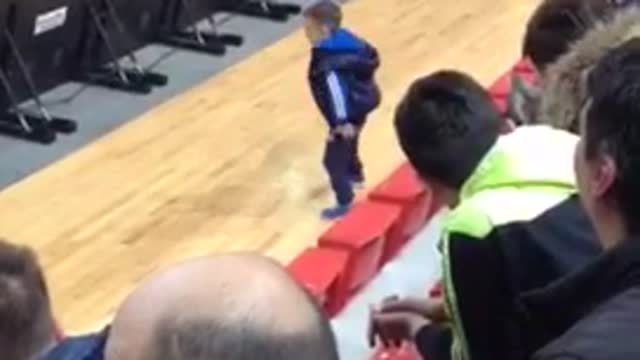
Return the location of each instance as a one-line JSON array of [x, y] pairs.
[[525, 68], [403, 185], [499, 91], [362, 232], [405, 189], [321, 272], [501, 88], [502, 103]]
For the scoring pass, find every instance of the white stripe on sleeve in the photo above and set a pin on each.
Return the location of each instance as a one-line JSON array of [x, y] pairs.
[[337, 96]]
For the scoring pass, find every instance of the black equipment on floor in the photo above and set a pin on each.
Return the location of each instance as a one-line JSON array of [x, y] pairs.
[[44, 43], [15, 122], [181, 29], [15, 75], [269, 9], [102, 18]]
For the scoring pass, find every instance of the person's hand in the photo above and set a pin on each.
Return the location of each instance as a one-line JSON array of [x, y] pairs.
[[347, 131], [394, 327], [433, 308], [331, 136]]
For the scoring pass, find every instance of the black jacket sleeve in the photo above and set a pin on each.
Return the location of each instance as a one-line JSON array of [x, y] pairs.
[[483, 303], [434, 342]]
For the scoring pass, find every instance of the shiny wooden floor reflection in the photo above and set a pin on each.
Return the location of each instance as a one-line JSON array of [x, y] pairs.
[[233, 164]]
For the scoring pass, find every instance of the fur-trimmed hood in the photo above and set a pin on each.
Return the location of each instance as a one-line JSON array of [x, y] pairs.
[[563, 84]]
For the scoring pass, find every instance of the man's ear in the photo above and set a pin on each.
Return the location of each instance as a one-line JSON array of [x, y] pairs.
[[604, 175], [523, 101]]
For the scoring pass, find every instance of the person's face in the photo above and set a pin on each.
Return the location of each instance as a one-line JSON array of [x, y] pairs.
[[443, 194], [594, 178], [583, 175], [314, 30]]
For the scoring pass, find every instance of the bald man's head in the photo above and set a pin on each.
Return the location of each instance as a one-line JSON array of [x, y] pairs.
[[231, 307]]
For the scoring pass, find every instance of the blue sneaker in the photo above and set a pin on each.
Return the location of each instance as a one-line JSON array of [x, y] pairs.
[[335, 212]]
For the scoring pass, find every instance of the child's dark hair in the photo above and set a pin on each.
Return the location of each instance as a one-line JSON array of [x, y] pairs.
[[445, 124], [326, 12], [556, 24]]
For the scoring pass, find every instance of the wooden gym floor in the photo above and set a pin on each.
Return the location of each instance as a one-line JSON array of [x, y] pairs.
[[233, 164]]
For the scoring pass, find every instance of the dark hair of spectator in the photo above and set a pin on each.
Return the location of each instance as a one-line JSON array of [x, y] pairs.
[[556, 24], [26, 324], [446, 124]]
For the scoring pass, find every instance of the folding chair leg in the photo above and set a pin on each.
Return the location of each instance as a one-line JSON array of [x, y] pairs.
[[208, 41], [118, 77], [14, 122], [152, 78], [188, 40], [58, 124], [107, 77]]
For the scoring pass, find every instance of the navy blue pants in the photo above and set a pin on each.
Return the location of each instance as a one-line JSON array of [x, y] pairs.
[[342, 162]]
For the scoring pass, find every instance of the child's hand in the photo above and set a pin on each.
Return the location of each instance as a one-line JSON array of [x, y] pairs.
[[348, 131], [392, 328], [432, 309], [331, 136]]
